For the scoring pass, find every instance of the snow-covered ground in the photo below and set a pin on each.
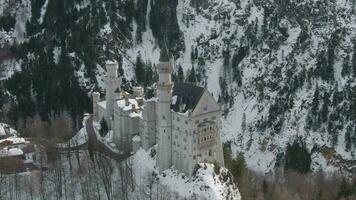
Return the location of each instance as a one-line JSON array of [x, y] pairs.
[[204, 185]]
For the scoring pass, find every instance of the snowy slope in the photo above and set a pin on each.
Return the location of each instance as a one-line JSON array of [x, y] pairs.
[[204, 185], [219, 25]]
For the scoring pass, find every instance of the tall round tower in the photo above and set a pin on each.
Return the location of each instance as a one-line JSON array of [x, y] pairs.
[[164, 119], [112, 83]]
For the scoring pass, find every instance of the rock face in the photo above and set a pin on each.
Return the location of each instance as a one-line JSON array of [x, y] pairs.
[[282, 70]]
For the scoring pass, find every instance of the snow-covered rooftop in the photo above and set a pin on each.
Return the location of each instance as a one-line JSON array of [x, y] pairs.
[[137, 138], [122, 104], [134, 114], [11, 152]]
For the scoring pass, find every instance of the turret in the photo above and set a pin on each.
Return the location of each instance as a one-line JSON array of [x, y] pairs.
[[112, 83], [164, 119]]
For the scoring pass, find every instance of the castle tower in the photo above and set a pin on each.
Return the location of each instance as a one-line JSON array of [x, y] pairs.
[[96, 99], [112, 83], [164, 118]]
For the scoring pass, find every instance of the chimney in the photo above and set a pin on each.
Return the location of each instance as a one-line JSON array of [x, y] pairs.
[[127, 103], [133, 108], [126, 97]]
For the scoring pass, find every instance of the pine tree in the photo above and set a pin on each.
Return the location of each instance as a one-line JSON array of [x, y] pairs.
[[297, 157], [103, 127], [325, 107], [140, 70], [192, 78], [180, 74], [348, 139], [353, 62], [346, 69], [315, 102]]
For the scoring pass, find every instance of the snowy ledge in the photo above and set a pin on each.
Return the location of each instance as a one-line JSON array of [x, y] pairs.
[[205, 184]]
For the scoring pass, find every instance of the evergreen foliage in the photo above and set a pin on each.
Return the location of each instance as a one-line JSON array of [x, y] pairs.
[[297, 157], [104, 129], [236, 166], [164, 24], [346, 190], [192, 78], [7, 22], [145, 76], [180, 74]]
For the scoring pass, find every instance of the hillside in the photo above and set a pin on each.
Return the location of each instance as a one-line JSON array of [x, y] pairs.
[[283, 71]]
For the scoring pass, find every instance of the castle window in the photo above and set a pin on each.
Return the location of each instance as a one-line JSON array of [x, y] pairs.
[[163, 117], [210, 152], [186, 122]]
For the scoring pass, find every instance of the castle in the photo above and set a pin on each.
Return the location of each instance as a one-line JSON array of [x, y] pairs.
[[183, 119]]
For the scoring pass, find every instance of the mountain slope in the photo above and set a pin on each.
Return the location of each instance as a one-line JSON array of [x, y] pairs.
[[283, 71]]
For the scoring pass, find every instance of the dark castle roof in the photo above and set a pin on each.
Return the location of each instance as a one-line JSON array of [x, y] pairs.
[[188, 94]]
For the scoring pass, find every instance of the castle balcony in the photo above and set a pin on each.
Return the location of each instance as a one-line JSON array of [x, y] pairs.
[[164, 87], [164, 68]]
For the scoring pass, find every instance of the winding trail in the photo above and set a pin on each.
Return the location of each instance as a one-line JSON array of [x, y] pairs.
[[98, 146]]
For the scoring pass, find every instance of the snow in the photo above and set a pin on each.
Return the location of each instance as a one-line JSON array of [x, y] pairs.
[[11, 152], [83, 4], [122, 104], [134, 114], [2, 131], [108, 140], [136, 139], [105, 30], [23, 14], [148, 50], [43, 11], [174, 100], [205, 185], [56, 54], [77, 140]]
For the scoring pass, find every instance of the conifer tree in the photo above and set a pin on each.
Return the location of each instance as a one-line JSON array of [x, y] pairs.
[[180, 74], [192, 78]]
